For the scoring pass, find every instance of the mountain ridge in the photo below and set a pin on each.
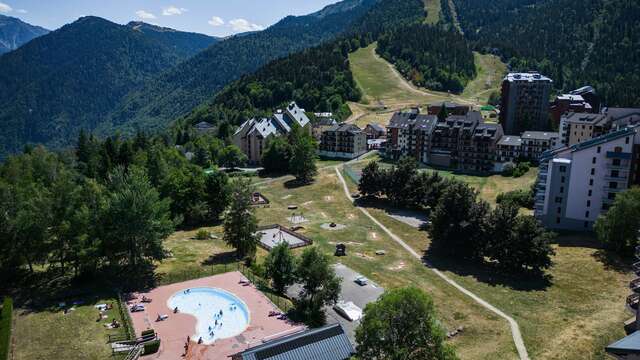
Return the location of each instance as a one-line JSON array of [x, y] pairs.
[[15, 33]]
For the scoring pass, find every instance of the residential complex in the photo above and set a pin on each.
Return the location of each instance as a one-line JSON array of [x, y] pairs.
[[451, 108], [253, 135], [568, 103], [462, 142], [525, 102], [344, 141], [576, 127], [576, 183], [375, 131]]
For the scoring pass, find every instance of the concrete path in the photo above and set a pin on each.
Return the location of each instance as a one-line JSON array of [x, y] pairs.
[[515, 330]]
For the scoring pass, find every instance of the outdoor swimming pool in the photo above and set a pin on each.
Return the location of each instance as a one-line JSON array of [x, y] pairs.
[[219, 313]]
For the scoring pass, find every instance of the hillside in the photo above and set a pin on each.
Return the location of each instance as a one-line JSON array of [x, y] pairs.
[[184, 44], [68, 79], [595, 43], [318, 79], [178, 91], [15, 32]]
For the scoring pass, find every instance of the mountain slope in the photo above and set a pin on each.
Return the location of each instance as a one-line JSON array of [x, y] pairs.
[[318, 78], [14, 33], [184, 44], [179, 90], [595, 43], [66, 80]]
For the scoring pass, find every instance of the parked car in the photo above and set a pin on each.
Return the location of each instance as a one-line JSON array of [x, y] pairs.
[[362, 281]]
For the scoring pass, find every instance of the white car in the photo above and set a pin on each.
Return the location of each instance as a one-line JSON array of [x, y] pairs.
[[362, 281]]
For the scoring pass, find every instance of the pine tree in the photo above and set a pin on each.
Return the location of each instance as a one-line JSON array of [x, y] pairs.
[[240, 223]]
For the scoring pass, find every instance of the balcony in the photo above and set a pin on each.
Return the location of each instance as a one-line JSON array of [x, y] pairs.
[[635, 286], [606, 188], [633, 300], [621, 166]]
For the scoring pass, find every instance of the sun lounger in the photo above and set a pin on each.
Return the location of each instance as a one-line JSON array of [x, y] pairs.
[[162, 317], [137, 307]]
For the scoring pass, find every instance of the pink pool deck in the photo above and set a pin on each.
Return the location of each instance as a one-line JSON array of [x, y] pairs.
[[173, 332]]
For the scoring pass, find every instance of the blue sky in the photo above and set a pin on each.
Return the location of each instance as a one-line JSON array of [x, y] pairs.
[[212, 17]]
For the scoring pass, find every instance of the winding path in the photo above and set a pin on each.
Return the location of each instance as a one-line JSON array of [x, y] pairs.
[[515, 329]]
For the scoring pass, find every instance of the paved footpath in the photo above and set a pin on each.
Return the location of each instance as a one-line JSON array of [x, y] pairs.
[[515, 330]]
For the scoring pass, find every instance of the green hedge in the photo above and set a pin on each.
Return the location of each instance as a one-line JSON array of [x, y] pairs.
[[151, 347], [5, 327]]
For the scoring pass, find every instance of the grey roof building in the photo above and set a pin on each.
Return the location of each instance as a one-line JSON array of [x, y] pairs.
[[325, 343]]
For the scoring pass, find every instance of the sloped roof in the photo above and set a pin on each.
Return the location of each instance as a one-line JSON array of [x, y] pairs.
[[325, 343], [510, 140], [626, 345], [540, 135], [402, 120], [376, 127]]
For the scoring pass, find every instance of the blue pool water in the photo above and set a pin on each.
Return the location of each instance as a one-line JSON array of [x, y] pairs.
[[205, 304]]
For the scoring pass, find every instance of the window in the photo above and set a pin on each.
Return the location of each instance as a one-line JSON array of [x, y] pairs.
[[615, 173], [617, 149], [626, 141], [593, 171], [558, 200], [559, 210], [588, 203], [586, 214], [557, 220], [563, 169], [591, 182], [616, 162], [593, 161], [586, 224], [590, 192], [611, 196], [605, 207], [562, 179], [561, 189], [599, 149], [613, 185]]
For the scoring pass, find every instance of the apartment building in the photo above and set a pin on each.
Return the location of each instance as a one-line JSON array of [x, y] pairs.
[[375, 131], [408, 134], [577, 183], [525, 102], [577, 127], [344, 141], [322, 124], [460, 142], [508, 151], [254, 135], [534, 143], [565, 103]]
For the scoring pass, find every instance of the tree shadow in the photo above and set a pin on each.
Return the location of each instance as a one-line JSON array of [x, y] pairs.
[[609, 258], [295, 183], [224, 258], [489, 273]]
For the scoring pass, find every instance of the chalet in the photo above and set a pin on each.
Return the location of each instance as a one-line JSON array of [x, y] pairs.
[[254, 135]]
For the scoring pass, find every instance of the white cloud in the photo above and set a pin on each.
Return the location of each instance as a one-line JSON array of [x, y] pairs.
[[242, 25], [21, 11], [145, 15], [4, 8], [216, 21], [172, 10]]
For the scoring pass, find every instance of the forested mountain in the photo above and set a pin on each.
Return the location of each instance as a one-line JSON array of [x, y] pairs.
[[15, 32], [70, 78], [430, 56], [185, 44], [318, 78], [593, 42], [181, 89]]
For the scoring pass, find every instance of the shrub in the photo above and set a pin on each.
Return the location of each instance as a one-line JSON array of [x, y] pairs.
[[521, 198], [151, 347], [202, 234], [5, 327]]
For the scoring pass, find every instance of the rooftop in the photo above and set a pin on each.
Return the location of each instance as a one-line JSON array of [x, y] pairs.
[[325, 343], [510, 140], [540, 135], [570, 97], [530, 77], [625, 346], [584, 118]]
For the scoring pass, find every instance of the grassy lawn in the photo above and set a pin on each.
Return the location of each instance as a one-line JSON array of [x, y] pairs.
[[50, 334], [433, 11], [485, 336], [572, 314]]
